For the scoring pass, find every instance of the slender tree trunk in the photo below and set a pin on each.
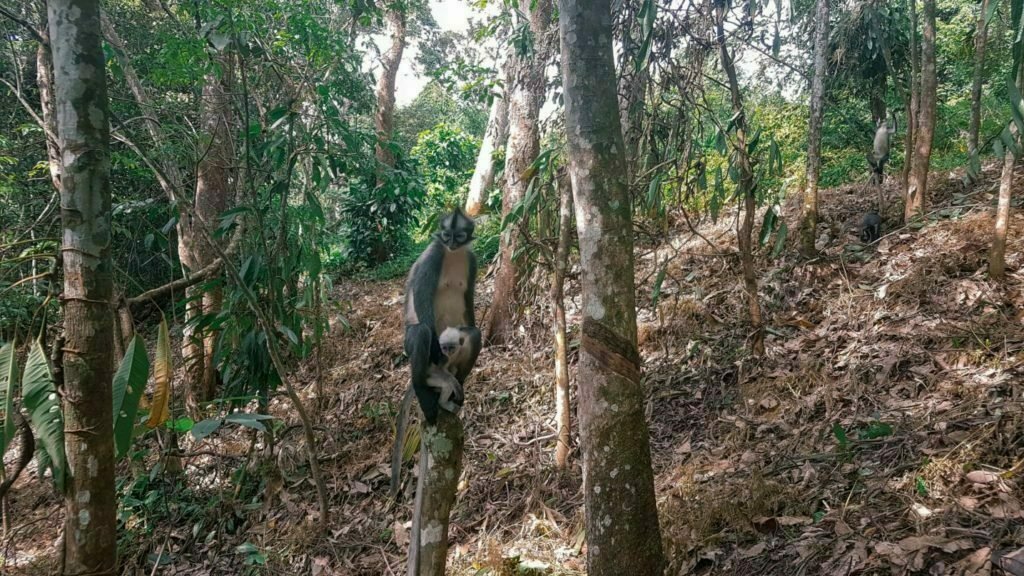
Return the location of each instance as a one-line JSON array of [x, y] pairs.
[[562, 417], [494, 139], [90, 546], [632, 83], [915, 97], [390, 62], [746, 189], [997, 254], [44, 80], [623, 535], [526, 94], [917, 187], [440, 467], [215, 178], [980, 39], [809, 228]]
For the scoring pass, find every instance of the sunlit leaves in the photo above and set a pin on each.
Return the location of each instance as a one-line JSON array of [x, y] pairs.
[[43, 405]]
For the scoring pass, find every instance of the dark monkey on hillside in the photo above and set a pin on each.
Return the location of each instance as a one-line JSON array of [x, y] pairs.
[[438, 295], [871, 227]]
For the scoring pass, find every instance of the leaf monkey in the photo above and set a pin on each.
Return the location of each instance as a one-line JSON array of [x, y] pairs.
[[438, 295], [880, 152], [457, 346], [871, 227]]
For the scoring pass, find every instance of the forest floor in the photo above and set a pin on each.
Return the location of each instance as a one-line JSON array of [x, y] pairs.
[[883, 432]]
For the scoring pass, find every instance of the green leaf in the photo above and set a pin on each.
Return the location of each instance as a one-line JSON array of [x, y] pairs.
[[780, 239], [204, 428], [658, 280], [159, 410], [8, 386], [840, 434], [43, 406], [129, 382], [248, 420], [922, 488], [876, 430]]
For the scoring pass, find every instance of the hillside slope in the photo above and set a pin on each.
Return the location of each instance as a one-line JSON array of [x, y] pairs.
[[883, 432]]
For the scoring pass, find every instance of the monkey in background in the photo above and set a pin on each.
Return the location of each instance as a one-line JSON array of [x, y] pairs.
[[880, 151], [871, 227]]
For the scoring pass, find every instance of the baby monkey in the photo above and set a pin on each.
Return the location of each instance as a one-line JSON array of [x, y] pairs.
[[454, 345]]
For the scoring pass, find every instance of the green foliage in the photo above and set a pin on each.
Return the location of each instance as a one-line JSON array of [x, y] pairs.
[[8, 387], [43, 405], [378, 219], [128, 386], [435, 106], [446, 156]]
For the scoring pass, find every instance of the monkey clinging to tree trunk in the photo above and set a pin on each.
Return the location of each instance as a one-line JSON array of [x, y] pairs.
[[438, 295]]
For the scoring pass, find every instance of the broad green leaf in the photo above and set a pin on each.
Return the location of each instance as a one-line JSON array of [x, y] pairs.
[[43, 406], [8, 387], [160, 410], [129, 382], [204, 428], [248, 420]]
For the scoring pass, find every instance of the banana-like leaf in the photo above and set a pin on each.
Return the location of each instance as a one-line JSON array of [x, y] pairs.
[[43, 406], [8, 385], [129, 382], [160, 409]]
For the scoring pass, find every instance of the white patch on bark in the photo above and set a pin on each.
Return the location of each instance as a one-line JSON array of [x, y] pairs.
[[431, 533], [614, 472], [93, 466], [83, 497], [84, 518]]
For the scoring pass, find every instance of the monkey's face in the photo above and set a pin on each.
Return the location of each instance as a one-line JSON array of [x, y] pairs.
[[451, 340], [456, 230]]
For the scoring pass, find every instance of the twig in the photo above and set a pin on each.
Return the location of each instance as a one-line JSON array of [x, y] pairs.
[[24, 24]]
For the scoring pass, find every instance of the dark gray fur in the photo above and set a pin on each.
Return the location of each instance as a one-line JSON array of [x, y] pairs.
[[421, 338], [871, 227]]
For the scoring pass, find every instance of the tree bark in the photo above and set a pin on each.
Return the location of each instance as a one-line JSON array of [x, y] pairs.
[[526, 94], [390, 61], [440, 467], [623, 535], [980, 39], [562, 413], [44, 80], [809, 227], [997, 253], [215, 177], [483, 174], [632, 83], [915, 97], [917, 187], [79, 80], [746, 189]]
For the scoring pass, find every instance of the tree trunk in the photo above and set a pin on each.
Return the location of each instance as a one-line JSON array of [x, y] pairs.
[[390, 62], [632, 83], [562, 414], [526, 94], [440, 467], [915, 97], [483, 173], [44, 80], [623, 535], [997, 254], [809, 227], [746, 190], [90, 546], [215, 177], [980, 39], [917, 187]]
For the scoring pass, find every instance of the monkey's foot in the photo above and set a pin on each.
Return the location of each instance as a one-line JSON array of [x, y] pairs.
[[450, 406]]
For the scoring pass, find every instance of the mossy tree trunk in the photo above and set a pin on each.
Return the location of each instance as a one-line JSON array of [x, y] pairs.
[[79, 80], [623, 536], [809, 226]]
